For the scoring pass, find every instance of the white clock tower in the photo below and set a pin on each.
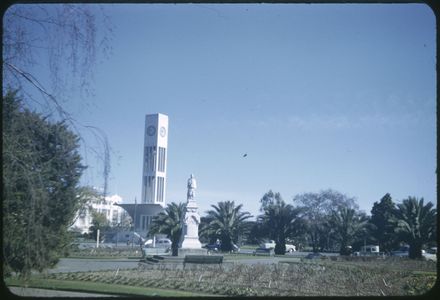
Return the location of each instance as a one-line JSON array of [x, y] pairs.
[[155, 159]]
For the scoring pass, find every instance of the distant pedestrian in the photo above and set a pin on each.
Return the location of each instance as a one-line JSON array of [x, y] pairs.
[[140, 243]]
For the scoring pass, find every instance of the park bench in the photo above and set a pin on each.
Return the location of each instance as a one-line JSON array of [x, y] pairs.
[[151, 260], [202, 259]]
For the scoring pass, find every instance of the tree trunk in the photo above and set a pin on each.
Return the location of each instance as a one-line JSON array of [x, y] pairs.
[[280, 246], [415, 250], [344, 249], [175, 244], [314, 242], [226, 244], [175, 249]]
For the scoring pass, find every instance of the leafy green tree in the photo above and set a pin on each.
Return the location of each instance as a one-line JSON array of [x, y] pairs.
[[227, 222], [41, 171], [280, 221], [99, 221], [170, 222], [416, 224], [382, 229], [348, 225], [317, 209], [269, 198], [256, 233], [205, 235], [84, 196]]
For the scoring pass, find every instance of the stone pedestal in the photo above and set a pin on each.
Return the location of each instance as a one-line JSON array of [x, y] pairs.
[[189, 251], [191, 227], [190, 236]]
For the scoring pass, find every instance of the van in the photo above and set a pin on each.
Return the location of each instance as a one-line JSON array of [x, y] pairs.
[[370, 249]]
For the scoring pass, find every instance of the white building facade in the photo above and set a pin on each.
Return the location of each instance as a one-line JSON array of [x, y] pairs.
[[114, 213]]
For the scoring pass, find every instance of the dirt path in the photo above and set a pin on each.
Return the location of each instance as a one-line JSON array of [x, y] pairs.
[[31, 292]]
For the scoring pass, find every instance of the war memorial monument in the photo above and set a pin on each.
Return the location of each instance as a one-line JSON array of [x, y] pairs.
[[190, 243]]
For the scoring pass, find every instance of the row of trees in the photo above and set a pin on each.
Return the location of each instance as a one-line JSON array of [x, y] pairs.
[[41, 195], [325, 221]]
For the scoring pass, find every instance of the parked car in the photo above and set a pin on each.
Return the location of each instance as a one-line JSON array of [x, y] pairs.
[[314, 255], [264, 251], [216, 247], [212, 247], [160, 243], [404, 252], [368, 250], [432, 250], [235, 248], [401, 252], [271, 245]]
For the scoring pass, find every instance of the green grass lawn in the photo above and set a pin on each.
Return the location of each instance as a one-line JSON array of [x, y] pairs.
[[97, 287], [249, 247], [232, 257]]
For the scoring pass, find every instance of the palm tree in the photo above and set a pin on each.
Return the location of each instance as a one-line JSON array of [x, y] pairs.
[[416, 224], [227, 223], [280, 221], [347, 225], [170, 222]]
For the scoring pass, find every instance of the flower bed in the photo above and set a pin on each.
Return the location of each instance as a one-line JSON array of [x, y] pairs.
[[299, 279]]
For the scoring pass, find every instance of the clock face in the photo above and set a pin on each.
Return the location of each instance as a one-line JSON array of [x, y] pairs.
[[163, 131], [151, 130]]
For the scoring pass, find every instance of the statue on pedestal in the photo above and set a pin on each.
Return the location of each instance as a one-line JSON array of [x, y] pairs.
[[192, 219], [192, 185]]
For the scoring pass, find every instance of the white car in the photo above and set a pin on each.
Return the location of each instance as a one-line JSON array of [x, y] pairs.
[[404, 252], [160, 243], [271, 245]]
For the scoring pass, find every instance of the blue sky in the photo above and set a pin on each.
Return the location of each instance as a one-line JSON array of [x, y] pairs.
[[337, 96]]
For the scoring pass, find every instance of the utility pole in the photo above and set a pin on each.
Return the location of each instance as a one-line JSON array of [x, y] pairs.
[[134, 222]]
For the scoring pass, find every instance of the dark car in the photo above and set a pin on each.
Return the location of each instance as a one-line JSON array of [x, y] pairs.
[[212, 247], [401, 252], [314, 255]]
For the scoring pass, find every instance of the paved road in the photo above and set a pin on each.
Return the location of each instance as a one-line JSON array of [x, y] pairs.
[[31, 292], [82, 265]]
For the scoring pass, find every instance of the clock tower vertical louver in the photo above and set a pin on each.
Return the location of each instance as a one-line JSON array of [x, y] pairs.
[[155, 159]]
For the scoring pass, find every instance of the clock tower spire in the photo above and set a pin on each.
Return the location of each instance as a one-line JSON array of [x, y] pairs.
[[155, 159]]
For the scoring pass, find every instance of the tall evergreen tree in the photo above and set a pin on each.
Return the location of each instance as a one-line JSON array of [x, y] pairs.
[[382, 229], [41, 171]]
